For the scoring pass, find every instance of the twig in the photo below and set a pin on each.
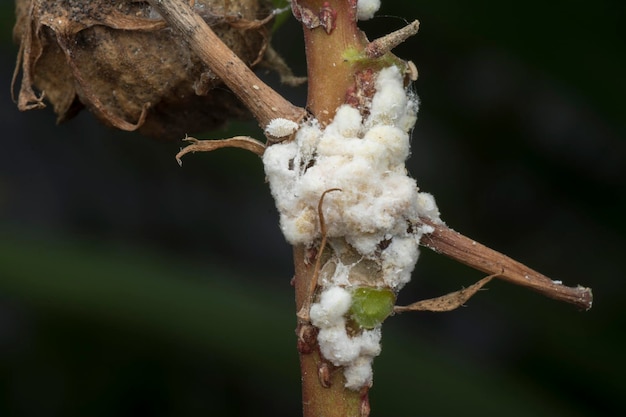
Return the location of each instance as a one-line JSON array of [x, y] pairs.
[[379, 47], [448, 242], [264, 103]]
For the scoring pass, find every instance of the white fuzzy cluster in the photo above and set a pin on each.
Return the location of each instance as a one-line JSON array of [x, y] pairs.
[[280, 128], [365, 9], [378, 202], [364, 158], [355, 353]]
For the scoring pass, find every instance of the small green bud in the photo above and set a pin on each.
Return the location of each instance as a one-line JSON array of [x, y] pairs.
[[370, 306]]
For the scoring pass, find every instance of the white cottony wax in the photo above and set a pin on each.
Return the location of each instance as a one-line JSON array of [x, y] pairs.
[[378, 202], [367, 8]]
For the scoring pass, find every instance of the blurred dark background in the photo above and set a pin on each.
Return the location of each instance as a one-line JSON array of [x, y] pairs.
[[131, 286]]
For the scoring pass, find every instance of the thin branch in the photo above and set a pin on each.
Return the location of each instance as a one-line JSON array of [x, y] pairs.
[[448, 242], [264, 103]]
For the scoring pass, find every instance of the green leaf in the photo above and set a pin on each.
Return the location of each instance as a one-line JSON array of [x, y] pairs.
[[370, 306]]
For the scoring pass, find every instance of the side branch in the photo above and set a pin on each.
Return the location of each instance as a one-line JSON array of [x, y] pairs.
[[465, 250], [264, 103], [379, 47]]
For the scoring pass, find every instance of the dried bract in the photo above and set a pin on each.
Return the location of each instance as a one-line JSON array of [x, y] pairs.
[[118, 59]]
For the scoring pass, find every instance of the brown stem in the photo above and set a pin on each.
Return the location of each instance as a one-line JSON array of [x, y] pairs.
[[330, 74], [469, 252], [329, 30], [264, 103], [322, 395]]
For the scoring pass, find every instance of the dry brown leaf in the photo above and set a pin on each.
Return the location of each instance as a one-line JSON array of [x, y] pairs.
[[242, 142], [118, 59], [446, 302]]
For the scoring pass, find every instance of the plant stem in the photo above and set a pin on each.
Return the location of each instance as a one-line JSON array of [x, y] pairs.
[[322, 395], [330, 74], [329, 30]]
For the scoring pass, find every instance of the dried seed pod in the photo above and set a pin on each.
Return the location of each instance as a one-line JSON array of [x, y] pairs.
[[120, 60]]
